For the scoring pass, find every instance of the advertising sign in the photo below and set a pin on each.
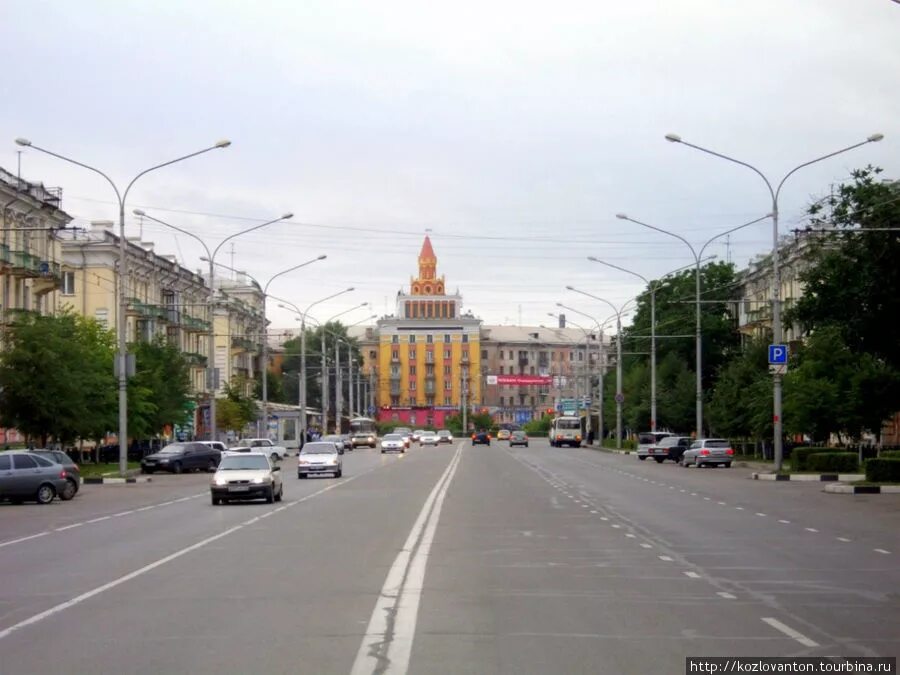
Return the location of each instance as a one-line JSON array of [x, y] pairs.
[[520, 379]]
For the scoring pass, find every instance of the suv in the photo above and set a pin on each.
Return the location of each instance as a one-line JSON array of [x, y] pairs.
[[647, 439], [481, 438], [670, 447]]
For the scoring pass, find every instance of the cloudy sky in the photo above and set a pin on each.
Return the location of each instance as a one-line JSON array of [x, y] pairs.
[[511, 132]]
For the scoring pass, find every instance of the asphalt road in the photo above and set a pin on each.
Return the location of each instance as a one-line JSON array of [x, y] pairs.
[[450, 560]]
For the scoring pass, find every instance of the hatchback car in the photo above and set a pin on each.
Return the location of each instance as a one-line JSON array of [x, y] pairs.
[[336, 439], [713, 451], [179, 457], [429, 438], [319, 457], [74, 473], [393, 443], [444, 436], [243, 476], [503, 434], [481, 438], [518, 438], [406, 432], [27, 476]]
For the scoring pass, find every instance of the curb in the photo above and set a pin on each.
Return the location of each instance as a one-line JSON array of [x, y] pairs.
[[839, 488], [809, 477], [114, 481]]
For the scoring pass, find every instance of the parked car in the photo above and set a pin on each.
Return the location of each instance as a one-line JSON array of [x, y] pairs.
[[319, 457], [337, 440], [481, 438], [444, 436], [647, 439], [713, 451], [179, 457], [393, 443], [518, 438], [670, 447], [74, 473], [251, 475], [406, 432], [275, 452], [215, 445], [29, 476], [429, 438], [503, 434]]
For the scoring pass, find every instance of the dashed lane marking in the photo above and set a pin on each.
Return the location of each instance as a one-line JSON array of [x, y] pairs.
[[692, 575], [727, 596], [790, 632]]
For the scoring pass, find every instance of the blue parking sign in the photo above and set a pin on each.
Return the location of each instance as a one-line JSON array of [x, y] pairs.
[[778, 354]]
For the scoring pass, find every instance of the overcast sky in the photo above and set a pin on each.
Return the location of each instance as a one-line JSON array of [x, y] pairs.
[[511, 132]]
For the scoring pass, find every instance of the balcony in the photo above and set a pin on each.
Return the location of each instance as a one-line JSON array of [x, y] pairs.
[[194, 325], [5, 255], [195, 360], [395, 390], [242, 344], [24, 264]]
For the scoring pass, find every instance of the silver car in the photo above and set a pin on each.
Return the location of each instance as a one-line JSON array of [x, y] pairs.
[[251, 475], [393, 443], [29, 476], [429, 438], [320, 457], [713, 451]]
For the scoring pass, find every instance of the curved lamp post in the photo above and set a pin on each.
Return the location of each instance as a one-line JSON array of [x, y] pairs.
[[776, 272], [121, 323], [211, 345]]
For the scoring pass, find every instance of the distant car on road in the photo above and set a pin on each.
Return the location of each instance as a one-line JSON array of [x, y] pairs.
[[670, 447], [481, 438], [429, 438], [444, 436], [319, 457], [416, 435], [713, 451], [336, 439], [393, 443], [28, 476], [180, 457], [503, 434], [518, 438], [275, 452], [406, 432], [215, 445], [74, 473], [251, 475], [647, 439]]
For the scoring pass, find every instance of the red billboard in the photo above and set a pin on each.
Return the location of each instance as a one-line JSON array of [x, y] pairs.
[[520, 380]]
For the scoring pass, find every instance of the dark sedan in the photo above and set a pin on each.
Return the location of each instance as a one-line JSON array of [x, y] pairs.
[[481, 438], [179, 457]]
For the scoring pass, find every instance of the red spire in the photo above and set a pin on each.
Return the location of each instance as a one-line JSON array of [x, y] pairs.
[[427, 252]]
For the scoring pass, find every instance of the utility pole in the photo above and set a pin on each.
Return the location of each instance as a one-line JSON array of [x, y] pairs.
[[464, 390], [338, 383]]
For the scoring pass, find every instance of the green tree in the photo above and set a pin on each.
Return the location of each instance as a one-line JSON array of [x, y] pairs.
[[56, 377], [741, 405], [275, 391], [236, 410], [160, 389]]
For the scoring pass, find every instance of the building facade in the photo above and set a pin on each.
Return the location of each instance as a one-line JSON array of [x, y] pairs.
[[428, 356]]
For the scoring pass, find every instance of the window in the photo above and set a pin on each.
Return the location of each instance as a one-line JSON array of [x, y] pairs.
[[102, 317], [447, 339], [412, 370], [447, 370], [501, 370], [24, 462], [484, 354], [447, 354], [68, 283], [465, 338], [5, 463], [412, 339], [429, 339], [395, 355], [412, 385], [373, 354], [448, 385], [501, 401], [448, 400], [395, 339], [412, 353]]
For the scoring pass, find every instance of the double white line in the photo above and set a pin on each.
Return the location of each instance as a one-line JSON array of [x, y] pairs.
[[387, 644]]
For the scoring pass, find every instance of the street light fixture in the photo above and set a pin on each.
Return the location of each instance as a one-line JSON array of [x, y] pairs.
[[777, 336], [265, 336], [698, 363], [121, 322], [211, 339]]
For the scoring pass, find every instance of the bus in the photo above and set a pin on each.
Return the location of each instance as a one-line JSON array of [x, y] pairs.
[[566, 430], [363, 432]]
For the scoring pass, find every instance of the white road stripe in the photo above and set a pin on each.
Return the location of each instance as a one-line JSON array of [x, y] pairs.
[[21, 539], [882, 551], [630, 535], [790, 632], [616, 525], [843, 539], [97, 520], [738, 508], [387, 644], [646, 546], [692, 575], [69, 527], [786, 522], [665, 558], [761, 514], [122, 513], [727, 596], [810, 529]]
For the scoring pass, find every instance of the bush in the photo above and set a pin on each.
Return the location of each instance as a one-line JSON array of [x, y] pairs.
[[889, 454], [800, 455], [833, 462], [883, 470]]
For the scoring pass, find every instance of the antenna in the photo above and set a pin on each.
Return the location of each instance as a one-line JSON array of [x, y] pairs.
[[232, 261]]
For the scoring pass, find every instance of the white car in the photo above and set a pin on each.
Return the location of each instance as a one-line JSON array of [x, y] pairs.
[[275, 452], [246, 476], [393, 443], [429, 438], [319, 457]]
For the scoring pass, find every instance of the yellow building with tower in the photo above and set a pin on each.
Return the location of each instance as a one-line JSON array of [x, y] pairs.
[[429, 353]]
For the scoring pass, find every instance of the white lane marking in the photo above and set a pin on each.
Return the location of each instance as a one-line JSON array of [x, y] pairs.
[[693, 494], [646, 546], [603, 518], [665, 558], [692, 575], [616, 525], [166, 503], [810, 529], [684, 490], [21, 539], [790, 632], [69, 527], [122, 513], [183, 499], [882, 551], [786, 522], [738, 508], [593, 512], [761, 514], [727, 596], [387, 645], [630, 535], [146, 508], [843, 539], [707, 499], [97, 520], [721, 503], [147, 568]]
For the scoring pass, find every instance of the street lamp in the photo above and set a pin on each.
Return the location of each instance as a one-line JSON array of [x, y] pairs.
[[776, 272], [211, 338], [265, 336], [698, 363], [620, 398], [121, 323], [652, 285]]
